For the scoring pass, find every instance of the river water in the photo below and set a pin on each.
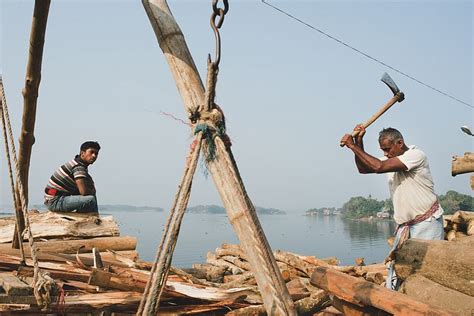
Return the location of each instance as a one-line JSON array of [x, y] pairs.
[[320, 236]]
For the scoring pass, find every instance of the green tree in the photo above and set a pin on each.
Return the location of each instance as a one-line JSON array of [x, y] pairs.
[[454, 201], [388, 206], [359, 206]]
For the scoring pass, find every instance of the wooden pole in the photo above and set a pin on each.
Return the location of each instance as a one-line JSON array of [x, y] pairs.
[[30, 97], [223, 169]]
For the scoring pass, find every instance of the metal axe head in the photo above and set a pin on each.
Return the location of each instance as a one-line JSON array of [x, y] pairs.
[[391, 84]]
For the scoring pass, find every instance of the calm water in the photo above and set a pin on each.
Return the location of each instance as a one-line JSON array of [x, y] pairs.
[[320, 236]]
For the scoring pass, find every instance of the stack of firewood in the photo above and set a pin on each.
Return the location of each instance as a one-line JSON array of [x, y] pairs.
[[459, 225], [439, 272], [94, 269], [229, 267]]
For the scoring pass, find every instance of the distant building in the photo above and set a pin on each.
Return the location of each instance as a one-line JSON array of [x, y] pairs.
[[383, 214]]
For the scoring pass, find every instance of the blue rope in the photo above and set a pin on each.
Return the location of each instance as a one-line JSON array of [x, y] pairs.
[[209, 138]]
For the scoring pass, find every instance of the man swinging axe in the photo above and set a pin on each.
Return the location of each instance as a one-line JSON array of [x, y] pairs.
[[416, 208]]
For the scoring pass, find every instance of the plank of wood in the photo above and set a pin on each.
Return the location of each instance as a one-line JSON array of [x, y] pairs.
[[83, 245], [363, 293], [14, 286], [55, 224]]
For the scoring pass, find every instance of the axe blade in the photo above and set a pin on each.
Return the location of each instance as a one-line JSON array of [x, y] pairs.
[[390, 83]]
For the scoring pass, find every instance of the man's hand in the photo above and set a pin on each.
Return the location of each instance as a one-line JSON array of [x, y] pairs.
[[360, 130], [347, 141]]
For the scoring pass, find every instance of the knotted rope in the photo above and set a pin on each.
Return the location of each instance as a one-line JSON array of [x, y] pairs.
[[42, 283]]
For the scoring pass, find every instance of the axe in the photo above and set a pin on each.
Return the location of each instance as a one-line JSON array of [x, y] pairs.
[[398, 96]]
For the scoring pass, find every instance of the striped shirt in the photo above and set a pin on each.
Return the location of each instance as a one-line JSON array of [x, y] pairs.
[[64, 178]]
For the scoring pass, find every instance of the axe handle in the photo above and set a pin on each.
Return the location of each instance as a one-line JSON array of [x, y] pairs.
[[379, 113]]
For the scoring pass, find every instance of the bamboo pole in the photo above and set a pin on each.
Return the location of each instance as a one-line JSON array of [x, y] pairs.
[[30, 97], [223, 169]]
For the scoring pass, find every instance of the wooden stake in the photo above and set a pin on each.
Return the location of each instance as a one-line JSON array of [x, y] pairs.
[[30, 97]]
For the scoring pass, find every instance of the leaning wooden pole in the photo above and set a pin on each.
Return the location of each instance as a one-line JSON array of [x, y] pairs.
[[223, 169], [30, 97]]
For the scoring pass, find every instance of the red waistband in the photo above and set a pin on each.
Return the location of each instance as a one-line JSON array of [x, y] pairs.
[[422, 217]]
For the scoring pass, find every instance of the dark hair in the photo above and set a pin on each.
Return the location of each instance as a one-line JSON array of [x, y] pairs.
[[391, 134], [90, 144]]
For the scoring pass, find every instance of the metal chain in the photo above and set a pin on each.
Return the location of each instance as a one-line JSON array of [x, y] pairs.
[[218, 12]]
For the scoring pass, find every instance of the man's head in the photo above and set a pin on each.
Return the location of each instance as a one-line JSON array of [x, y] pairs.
[[391, 142], [89, 152]]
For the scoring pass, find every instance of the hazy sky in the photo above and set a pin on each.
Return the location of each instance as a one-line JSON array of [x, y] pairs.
[[288, 93]]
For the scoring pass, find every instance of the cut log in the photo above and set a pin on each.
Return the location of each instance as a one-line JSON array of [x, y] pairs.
[[56, 274], [14, 286], [451, 235], [244, 265], [313, 304], [462, 164], [115, 301], [297, 290], [371, 268], [231, 251], [105, 279], [427, 291], [60, 225], [294, 261], [211, 259], [449, 263], [241, 280], [349, 309], [376, 277], [107, 257], [207, 272], [13, 263], [470, 227], [360, 292], [83, 245], [329, 311], [254, 310]]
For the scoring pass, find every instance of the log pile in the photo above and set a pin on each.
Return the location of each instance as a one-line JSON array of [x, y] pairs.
[[229, 264], [104, 273], [459, 225], [97, 270], [445, 268]]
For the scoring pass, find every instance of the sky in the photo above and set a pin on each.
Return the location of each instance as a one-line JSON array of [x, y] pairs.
[[288, 92]]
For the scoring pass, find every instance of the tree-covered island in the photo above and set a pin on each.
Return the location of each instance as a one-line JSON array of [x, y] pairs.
[[360, 207]]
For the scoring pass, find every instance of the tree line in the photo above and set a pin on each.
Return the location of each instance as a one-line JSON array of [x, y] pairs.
[[359, 206]]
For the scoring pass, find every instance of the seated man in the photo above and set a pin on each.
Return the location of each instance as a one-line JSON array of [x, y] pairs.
[[71, 188]]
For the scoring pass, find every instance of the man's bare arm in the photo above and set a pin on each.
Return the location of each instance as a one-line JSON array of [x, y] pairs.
[[371, 164]]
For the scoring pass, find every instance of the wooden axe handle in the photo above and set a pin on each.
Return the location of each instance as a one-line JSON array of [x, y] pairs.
[[382, 110]]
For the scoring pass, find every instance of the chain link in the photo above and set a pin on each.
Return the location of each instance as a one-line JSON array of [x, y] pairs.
[[218, 12]]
